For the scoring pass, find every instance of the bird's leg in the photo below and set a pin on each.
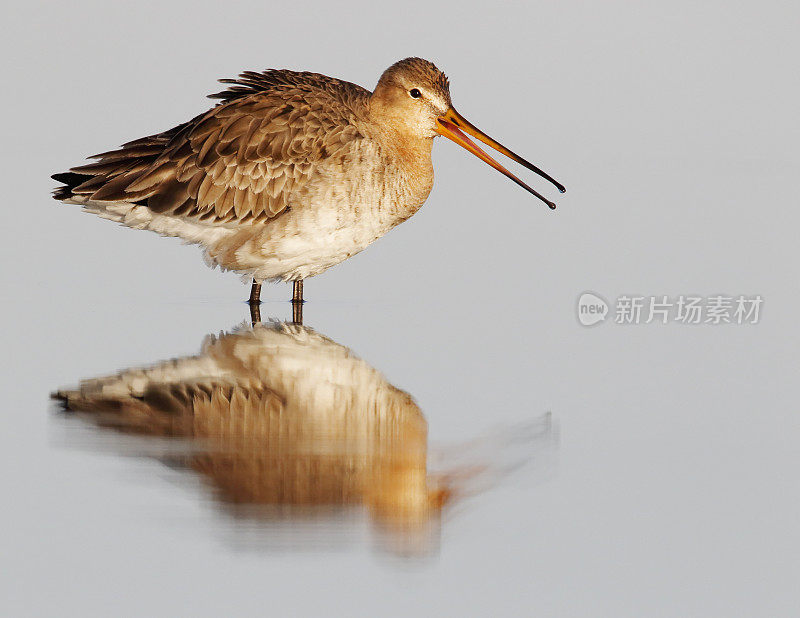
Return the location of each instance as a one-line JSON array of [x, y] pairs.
[[297, 313], [255, 314], [297, 291], [297, 302], [255, 294]]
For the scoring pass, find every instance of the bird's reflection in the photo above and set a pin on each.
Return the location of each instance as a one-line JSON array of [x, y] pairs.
[[285, 423]]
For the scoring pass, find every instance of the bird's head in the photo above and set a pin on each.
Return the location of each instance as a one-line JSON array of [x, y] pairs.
[[413, 98], [411, 95]]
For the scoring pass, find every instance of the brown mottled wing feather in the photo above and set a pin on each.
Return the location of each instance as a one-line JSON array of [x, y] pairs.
[[201, 409], [246, 159]]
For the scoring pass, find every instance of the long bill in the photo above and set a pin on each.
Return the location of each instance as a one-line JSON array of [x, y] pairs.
[[453, 126]]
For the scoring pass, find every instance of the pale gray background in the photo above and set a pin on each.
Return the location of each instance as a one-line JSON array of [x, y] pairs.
[[674, 126]]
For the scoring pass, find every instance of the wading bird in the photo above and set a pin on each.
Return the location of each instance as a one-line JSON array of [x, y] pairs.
[[290, 174]]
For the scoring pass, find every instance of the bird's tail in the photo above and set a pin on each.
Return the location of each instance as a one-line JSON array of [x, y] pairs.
[[105, 179]]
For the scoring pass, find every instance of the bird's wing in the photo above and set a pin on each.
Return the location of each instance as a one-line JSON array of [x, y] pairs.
[[191, 397], [244, 160]]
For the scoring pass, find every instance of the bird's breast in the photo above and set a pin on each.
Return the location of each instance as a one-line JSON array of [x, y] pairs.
[[349, 204], [375, 185]]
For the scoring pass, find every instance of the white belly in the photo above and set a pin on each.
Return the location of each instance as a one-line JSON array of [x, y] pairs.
[[314, 239]]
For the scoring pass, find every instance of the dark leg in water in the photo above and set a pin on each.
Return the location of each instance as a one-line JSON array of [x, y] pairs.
[[255, 314], [255, 294], [297, 291], [297, 302], [297, 313]]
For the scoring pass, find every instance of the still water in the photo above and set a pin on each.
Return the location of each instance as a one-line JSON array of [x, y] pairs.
[[442, 436], [388, 458]]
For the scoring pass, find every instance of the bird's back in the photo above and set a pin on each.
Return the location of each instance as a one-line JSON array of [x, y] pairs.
[[242, 161]]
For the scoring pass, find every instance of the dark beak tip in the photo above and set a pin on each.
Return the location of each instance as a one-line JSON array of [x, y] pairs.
[[562, 188]]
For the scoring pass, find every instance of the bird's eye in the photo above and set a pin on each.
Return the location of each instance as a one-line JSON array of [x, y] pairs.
[[415, 93]]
